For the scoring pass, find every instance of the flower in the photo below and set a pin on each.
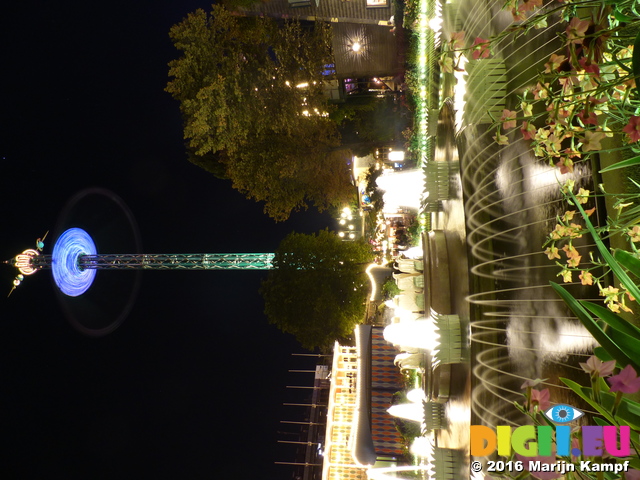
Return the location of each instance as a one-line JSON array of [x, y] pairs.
[[554, 63], [570, 251], [552, 252], [588, 118], [518, 15], [632, 474], [609, 292], [541, 91], [457, 40], [528, 130], [540, 399], [568, 215], [560, 231], [634, 234], [586, 278], [573, 262], [627, 292], [446, 63], [527, 109], [633, 128], [554, 144], [480, 48], [533, 383], [582, 196], [575, 229], [626, 381], [596, 367], [591, 69], [508, 119], [566, 275], [540, 22], [530, 5], [566, 165], [568, 186], [501, 139], [576, 30], [592, 140]]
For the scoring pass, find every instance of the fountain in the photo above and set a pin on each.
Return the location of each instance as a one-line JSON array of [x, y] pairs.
[[403, 189]]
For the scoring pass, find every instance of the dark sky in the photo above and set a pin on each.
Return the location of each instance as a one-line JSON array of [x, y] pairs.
[[190, 385]]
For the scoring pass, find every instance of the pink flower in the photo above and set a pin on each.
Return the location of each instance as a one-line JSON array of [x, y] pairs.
[[589, 68], [566, 165], [554, 63], [632, 474], [626, 381], [508, 119], [576, 30], [588, 118], [540, 398], [480, 48], [528, 131], [533, 382], [457, 40], [541, 91], [518, 15], [596, 367], [633, 128]]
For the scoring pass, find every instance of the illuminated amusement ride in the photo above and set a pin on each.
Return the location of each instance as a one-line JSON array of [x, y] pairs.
[[74, 262]]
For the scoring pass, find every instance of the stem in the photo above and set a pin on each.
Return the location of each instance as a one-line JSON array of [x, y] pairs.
[[616, 404], [595, 385]]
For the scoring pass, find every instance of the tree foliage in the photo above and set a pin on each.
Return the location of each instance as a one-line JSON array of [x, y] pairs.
[[251, 96], [318, 287]]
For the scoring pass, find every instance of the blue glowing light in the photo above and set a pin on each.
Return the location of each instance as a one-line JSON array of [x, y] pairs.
[[70, 278]]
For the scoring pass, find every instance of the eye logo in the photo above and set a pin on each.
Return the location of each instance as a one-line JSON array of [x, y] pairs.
[[563, 413]]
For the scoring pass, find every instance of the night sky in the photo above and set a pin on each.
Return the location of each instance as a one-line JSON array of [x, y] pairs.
[[190, 386]]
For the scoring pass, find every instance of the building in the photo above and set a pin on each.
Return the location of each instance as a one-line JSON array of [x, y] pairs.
[[364, 43], [359, 431]]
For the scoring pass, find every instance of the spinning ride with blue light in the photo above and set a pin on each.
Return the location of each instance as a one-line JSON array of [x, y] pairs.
[[75, 261]]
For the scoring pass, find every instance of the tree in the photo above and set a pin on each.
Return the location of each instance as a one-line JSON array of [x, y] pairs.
[[317, 290], [251, 96]]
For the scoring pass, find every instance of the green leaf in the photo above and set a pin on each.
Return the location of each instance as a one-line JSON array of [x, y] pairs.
[[635, 463], [621, 17], [628, 411], [585, 394], [604, 251], [628, 261], [602, 354], [601, 422], [635, 59], [615, 321], [624, 163], [592, 326], [627, 344]]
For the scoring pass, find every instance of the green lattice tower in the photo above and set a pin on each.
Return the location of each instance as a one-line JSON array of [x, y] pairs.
[[168, 261]]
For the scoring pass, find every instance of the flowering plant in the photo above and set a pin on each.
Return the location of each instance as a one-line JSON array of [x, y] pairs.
[[586, 92]]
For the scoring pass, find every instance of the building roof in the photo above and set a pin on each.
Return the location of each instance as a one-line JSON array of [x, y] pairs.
[[349, 11], [377, 55]]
